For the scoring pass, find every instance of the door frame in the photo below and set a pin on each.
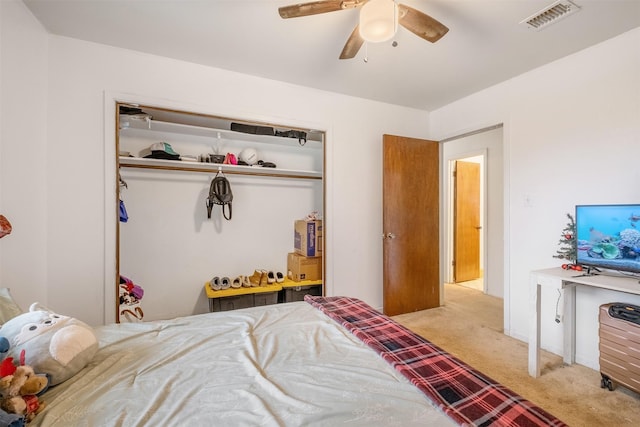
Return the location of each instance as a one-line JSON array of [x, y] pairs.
[[111, 190], [503, 166], [449, 214]]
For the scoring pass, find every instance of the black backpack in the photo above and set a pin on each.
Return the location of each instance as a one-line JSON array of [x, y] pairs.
[[220, 194]]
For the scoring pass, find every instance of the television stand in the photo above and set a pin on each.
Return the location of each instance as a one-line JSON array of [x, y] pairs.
[[553, 277], [590, 271], [588, 274]]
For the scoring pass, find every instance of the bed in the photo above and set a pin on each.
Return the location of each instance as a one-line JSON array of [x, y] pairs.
[[325, 361]]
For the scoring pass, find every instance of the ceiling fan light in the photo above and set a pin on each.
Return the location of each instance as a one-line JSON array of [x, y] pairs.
[[378, 20]]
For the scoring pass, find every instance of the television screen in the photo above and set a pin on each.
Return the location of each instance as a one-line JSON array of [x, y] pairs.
[[608, 236]]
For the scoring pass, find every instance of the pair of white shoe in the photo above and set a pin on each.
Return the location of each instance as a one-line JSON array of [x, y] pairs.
[[276, 277], [241, 281], [219, 284]]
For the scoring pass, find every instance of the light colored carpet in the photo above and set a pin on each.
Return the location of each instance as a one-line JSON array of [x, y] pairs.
[[469, 326]]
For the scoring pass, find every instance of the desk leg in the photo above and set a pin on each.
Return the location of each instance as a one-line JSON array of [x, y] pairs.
[[569, 333], [534, 329]]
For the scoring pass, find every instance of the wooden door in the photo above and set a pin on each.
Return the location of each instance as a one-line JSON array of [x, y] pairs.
[[466, 233], [411, 262]]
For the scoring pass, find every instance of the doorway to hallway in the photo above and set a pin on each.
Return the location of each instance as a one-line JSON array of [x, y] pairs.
[[484, 147]]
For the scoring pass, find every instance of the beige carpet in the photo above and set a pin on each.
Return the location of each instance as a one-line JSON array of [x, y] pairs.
[[469, 326]]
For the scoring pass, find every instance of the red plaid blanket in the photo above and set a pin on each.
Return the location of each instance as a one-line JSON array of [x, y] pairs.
[[463, 393]]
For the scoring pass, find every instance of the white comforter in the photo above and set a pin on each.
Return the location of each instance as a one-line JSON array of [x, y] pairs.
[[280, 365]]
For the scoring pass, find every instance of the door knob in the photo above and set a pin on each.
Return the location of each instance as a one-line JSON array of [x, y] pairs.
[[391, 236], [478, 227]]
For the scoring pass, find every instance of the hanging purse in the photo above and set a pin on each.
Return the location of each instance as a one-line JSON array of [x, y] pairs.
[[220, 194]]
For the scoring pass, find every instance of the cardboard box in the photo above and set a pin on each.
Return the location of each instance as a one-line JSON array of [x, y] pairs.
[[307, 238], [303, 268]]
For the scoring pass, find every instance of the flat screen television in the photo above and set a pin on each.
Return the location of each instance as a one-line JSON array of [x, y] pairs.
[[608, 237]]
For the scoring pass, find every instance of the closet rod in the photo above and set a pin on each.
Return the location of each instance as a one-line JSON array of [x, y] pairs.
[[230, 172]]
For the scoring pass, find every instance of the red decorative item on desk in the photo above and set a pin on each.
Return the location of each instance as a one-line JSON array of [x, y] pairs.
[[5, 226], [575, 267]]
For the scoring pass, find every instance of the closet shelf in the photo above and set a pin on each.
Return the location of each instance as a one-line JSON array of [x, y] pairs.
[[215, 133], [143, 163]]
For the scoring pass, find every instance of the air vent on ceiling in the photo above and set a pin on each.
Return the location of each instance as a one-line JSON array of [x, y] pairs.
[[550, 14]]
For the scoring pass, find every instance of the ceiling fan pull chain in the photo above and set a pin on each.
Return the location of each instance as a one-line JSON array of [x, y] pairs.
[[366, 52]]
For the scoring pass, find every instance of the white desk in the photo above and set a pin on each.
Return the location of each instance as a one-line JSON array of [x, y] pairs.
[[550, 277]]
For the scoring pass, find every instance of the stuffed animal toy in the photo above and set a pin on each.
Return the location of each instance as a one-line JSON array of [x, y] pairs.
[[8, 419], [19, 392], [59, 346], [19, 387]]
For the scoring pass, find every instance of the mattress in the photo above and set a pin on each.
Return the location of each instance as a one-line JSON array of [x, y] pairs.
[[321, 362], [279, 365]]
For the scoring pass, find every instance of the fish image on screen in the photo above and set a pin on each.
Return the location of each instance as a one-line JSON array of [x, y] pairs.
[[608, 237]]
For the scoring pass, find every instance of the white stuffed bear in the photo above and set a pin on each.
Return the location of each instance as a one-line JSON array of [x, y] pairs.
[[54, 344]]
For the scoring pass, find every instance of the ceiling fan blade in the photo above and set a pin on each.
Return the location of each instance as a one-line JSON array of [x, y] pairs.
[[353, 45], [420, 24], [313, 8]]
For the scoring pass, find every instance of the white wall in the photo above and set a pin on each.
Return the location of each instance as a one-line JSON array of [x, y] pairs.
[[23, 151], [572, 136], [72, 234]]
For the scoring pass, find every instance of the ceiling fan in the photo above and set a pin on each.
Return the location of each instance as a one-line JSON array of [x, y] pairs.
[[378, 20]]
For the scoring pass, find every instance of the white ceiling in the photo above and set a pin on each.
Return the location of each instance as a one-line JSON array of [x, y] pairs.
[[485, 43]]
